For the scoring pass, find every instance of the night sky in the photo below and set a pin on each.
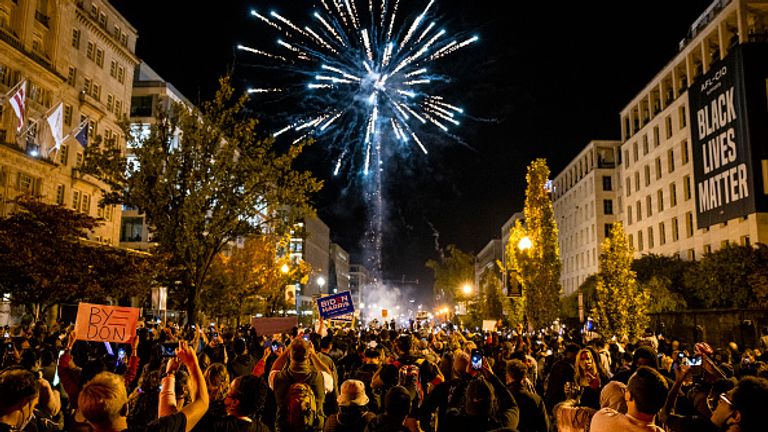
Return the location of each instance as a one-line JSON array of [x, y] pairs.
[[543, 81]]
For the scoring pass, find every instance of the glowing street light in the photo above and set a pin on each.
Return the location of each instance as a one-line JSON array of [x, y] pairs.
[[285, 269], [524, 243], [320, 281], [466, 289]]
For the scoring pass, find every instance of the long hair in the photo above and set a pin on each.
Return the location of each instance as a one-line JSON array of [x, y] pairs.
[[217, 379]]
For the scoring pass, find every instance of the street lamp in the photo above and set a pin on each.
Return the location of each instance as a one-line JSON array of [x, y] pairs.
[[466, 289], [320, 282], [524, 244], [285, 269]]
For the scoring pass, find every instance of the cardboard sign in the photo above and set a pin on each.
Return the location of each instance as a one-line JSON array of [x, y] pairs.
[[101, 323], [335, 305], [344, 318], [270, 326], [489, 325], [384, 313]]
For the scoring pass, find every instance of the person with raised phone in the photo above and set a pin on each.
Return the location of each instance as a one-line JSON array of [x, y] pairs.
[[103, 401]]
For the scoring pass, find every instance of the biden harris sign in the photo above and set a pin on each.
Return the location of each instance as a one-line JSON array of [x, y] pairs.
[[335, 305], [728, 136]]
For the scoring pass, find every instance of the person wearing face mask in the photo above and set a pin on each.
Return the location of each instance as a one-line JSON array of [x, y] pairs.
[[21, 391]]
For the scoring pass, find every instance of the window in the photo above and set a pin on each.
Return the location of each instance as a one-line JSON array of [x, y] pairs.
[[637, 181], [25, 184], [744, 241], [634, 152], [639, 211], [113, 69], [607, 230], [684, 152], [99, 57], [76, 38], [640, 241], [648, 206], [118, 108], [103, 20], [79, 160], [628, 186], [116, 31], [608, 207], [650, 237], [72, 76], [683, 116], [662, 234], [626, 158], [668, 123], [689, 224], [141, 106], [672, 195], [647, 170], [86, 204], [87, 85], [645, 144], [707, 249], [660, 200], [68, 115], [675, 230], [110, 102], [607, 183], [658, 168], [94, 10], [90, 51], [629, 215], [671, 160], [656, 137], [64, 154], [691, 255], [76, 200], [60, 194], [686, 188], [631, 239], [124, 39], [96, 91], [120, 74]]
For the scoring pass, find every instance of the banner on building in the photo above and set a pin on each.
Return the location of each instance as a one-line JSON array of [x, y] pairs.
[[101, 323], [335, 305], [728, 122]]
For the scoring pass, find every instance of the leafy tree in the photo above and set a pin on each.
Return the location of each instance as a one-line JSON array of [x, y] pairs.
[[250, 279], [518, 264], [45, 259], [621, 305], [540, 263], [204, 178], [570, 303], [663, 277], [454, 269], [489, 303], [722, 278]]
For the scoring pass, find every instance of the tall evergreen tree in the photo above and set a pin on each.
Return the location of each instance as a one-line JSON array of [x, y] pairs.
[[621, 304], [541, 271]]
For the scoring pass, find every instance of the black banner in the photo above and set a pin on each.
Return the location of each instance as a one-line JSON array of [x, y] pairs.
[[727, 107]]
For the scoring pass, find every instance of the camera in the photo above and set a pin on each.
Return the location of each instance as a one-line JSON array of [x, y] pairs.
[[306, 337], [477, 359], [168, 349], [695, 361]]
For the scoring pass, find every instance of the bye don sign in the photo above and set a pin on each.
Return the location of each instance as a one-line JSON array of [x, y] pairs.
[[101, 323], [335, 305]]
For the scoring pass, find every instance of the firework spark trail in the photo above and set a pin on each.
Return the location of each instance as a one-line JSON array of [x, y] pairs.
[[366, 82]]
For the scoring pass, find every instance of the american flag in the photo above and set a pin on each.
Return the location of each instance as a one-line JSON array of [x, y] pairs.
[[18, 103]]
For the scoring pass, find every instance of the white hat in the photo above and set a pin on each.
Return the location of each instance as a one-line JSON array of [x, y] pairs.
[[352, 392]]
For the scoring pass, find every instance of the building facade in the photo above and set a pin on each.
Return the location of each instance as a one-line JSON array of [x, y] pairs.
[[487, 258], [338, 270], [585, 202], [79, 54], [359, 278], [150, 94], [694, 172]]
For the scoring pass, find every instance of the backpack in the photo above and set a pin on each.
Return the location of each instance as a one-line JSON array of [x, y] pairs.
[[302, 408], [408, 377]]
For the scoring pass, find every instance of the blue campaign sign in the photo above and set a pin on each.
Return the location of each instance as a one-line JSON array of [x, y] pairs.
[[335, 305]]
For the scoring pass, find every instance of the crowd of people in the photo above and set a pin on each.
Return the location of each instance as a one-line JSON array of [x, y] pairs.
[[421, 378]]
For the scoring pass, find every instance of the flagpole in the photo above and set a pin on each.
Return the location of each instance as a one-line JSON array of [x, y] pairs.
[[13, 89]]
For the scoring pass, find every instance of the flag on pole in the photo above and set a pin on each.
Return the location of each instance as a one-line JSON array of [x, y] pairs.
[[56, 122], [18, 103], [82, 135]]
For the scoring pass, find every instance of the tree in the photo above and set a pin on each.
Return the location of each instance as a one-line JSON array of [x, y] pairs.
[[204, 178], [662, 277], [540, 264], [727, 278], [518, 264], [454, 269], [250, 279], [621, 305], [45, 259]]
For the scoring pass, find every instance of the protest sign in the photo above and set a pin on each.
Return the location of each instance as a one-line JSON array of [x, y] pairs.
[[270, 326], [489, 325], [335, 305], [101, 323]]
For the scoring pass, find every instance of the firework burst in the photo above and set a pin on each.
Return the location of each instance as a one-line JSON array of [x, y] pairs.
[[364, 77]]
